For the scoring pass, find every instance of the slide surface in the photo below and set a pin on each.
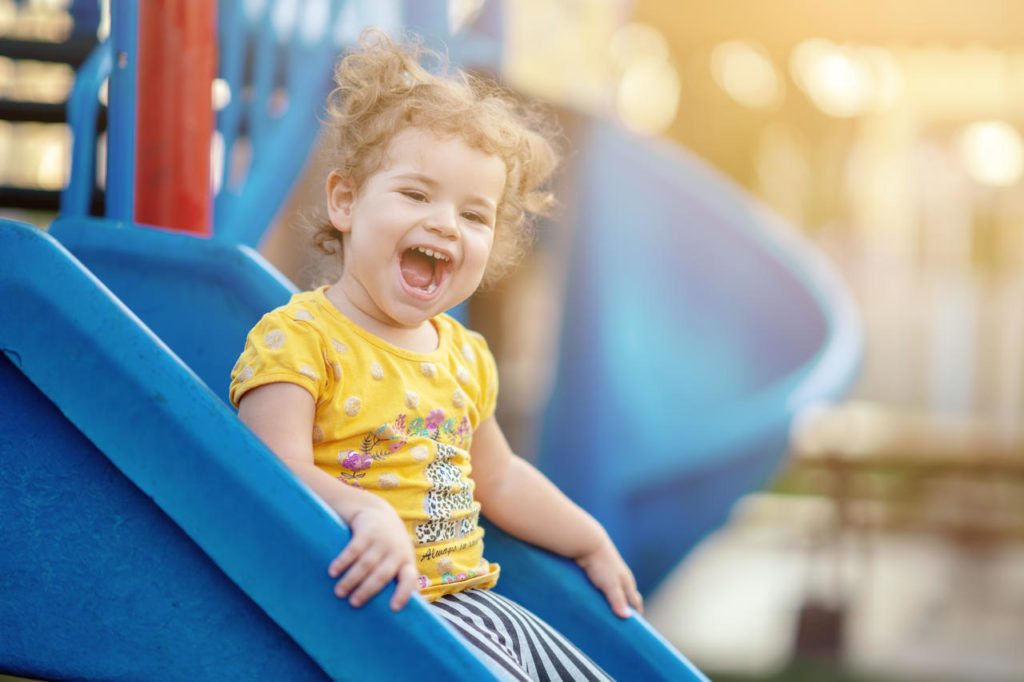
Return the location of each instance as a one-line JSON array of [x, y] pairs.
[[148, 535]]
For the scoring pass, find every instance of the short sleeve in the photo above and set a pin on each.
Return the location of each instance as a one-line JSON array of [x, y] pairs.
[[478, 355], [285, 346]]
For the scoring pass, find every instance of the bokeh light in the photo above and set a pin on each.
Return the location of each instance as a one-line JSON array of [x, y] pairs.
[[836, 79], [845, 80], [647, 98], [747, 74], [992, 153]]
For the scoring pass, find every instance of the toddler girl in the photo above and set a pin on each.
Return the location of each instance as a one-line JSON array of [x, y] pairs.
[[383, 404]]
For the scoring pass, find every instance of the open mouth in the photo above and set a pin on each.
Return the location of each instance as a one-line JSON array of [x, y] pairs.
[[423, 269]]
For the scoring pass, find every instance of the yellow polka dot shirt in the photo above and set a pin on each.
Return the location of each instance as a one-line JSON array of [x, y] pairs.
[[391, 421]]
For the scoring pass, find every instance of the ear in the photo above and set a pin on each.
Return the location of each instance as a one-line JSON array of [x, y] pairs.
[[340, 198]]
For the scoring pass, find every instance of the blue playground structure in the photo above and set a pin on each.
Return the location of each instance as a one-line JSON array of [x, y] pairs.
[[148, 535], [696, 326]]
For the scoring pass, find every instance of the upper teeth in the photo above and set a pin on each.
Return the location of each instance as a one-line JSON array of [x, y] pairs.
[[433, 254]]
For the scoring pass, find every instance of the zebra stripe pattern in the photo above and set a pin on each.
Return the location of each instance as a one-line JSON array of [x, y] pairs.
[[523, 645]]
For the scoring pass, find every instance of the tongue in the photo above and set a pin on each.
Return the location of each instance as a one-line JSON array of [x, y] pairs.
[[417, 268]]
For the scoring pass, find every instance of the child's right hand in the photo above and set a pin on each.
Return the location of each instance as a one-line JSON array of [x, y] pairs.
[[282, 414], [380, 549]]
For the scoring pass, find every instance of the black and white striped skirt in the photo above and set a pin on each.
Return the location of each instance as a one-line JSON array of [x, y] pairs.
[[518, 641]]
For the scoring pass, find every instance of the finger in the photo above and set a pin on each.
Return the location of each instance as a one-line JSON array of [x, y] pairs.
[[406, 586], [352, 551], [617, 598], [636, 600], [633, 595], [355, 575], [373, 583]]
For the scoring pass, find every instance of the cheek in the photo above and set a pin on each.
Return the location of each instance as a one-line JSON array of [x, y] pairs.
[[365, 249], [489, 245], [482, 247], [486, 240]]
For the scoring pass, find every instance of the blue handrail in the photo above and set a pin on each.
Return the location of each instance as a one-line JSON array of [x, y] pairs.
[[83, 115]]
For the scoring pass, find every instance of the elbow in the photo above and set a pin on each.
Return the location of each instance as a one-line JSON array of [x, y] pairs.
[[497, 491], [296, 463]]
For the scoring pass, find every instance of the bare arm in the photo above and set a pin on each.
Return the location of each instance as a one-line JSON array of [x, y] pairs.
[[520, 500], [281, 415]]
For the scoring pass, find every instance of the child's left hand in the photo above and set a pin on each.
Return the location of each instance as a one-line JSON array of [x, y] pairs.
[[611, 575]]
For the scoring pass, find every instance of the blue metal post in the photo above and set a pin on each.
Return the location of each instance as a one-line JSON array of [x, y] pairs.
[[120, 183]]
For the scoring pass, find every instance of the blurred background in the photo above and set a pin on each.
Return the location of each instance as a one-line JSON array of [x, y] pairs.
[[891, 544]]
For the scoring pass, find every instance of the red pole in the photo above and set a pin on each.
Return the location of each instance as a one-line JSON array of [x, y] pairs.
[[177, 63]]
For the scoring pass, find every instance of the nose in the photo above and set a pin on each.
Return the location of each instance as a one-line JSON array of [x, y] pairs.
[[442, 221]]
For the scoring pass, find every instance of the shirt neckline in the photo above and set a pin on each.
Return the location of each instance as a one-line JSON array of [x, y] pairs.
[[439, 322]]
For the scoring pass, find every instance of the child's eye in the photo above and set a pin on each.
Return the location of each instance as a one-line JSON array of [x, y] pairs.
[[414, 194], [475, 217]]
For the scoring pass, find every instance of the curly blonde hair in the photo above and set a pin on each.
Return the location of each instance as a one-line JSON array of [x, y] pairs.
[[383, 88]]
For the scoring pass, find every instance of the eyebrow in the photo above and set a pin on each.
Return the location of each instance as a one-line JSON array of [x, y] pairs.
[[416, 175], [431, 182]]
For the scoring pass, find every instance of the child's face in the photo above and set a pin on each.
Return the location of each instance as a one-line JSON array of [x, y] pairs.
[[418, 234]]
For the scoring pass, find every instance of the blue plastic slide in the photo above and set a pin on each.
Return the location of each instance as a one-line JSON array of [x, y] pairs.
[[148, 535], [696, 326]]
